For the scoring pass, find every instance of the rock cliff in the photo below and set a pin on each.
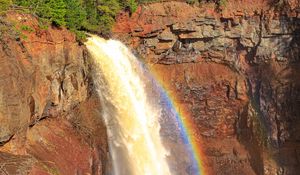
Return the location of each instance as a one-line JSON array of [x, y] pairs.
[[49, 116], [235, 71]]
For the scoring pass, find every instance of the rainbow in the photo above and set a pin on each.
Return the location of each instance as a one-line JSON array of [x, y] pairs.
[[183, 118], [185, 127]]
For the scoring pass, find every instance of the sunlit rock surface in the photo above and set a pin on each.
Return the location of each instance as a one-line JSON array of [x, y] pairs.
[[49, 116], [236, 71]]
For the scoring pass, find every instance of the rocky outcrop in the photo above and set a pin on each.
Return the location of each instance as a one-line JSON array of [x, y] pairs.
[[50, 121], [235, 71]]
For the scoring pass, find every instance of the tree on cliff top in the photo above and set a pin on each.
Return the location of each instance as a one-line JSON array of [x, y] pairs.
[[53, 10], [75, 14], [91, 15], [108, 10]]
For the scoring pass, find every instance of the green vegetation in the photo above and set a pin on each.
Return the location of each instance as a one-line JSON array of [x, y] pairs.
[[26, 28], [108, 9], [192, 1], [132, 5], [219, 3], [96, 16], [4, 5], [75, 14], [222, 3]]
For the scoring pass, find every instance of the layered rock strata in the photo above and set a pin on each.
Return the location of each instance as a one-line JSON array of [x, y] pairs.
[[50, 120], [235, 71]]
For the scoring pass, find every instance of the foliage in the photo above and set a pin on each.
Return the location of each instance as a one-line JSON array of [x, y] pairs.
[[222, 3], [108, 9], [145, 1], [43, 24], [130, 5], [192, 1], [4, 5], [26, 28], [53, 10], [75, 14], [96, 16], [80, 35]]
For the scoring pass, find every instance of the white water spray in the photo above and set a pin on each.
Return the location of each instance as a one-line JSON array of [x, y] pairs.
[[132, 122]]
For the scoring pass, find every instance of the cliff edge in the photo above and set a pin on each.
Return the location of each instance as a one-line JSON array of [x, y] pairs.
[[49, 115]]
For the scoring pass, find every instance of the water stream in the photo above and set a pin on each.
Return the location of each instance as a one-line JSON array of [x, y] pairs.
[[132, 119]]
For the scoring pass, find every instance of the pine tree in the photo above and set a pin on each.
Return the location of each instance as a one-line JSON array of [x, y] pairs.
[[108, 10], [130, 5], [54, 10], [75, 14], [92, 17]]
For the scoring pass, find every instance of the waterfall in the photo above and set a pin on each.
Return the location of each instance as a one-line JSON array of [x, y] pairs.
[[132, 119]]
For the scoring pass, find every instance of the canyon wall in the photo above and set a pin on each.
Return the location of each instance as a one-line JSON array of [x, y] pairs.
[[235, 71], [50, 120]]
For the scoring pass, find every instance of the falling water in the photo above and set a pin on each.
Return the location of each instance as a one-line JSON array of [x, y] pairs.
[[132, 121]]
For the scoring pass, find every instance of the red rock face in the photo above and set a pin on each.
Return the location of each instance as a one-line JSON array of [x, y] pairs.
[[62, 147], [49, 116], [235, 72]]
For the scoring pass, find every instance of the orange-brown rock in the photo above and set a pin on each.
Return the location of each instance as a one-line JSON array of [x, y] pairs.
[[61, 148], [234, 71], [49, 116]]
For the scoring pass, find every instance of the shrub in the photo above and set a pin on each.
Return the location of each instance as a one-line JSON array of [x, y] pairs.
[[91, 15], [4, 5], [108, 9], [192, 1], [54, 10], [26, 28], [222, 3], [130, 5], [75, 14]]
